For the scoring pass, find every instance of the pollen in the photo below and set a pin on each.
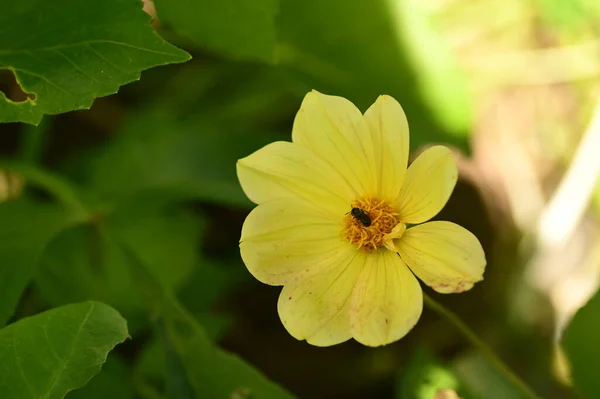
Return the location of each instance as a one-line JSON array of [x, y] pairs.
[[383, 227]]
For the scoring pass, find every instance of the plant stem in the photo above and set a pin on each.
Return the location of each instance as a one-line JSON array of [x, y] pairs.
[[482, 346], [54, 185]]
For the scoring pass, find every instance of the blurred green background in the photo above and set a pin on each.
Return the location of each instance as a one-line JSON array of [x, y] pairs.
[[135, 202]]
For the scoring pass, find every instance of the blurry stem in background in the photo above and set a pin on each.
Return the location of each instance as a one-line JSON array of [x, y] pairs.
[[60, 189], [482, 346], [33, 139]]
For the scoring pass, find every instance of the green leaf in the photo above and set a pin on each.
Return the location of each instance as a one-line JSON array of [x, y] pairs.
[[26, 228], [84, 263], [211, 372], [114, 382], [52, 353], [582, 347], [242, 29], [227, 374], [195, 160], [69, 55]]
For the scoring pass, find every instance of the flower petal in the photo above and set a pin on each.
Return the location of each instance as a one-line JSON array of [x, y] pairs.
[[333, 128], [284, 236], [446, 256], [429, 182], [389, 130], [283, 169], [387, 300], [314, 306]]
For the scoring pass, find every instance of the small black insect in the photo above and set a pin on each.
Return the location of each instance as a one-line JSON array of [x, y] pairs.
[[362, 216]]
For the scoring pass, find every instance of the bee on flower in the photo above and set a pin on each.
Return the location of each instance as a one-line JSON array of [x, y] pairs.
[[342, 224]]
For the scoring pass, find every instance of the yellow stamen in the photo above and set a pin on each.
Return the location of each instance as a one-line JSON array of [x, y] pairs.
[[384, 226]]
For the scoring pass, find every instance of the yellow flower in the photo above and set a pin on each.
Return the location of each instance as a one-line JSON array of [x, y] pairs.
[[340, 224]]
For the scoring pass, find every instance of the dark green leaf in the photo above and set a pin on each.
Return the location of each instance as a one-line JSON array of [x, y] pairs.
[[69, 55], [196, 159], [113, 382], [243, 29], [26, 228], [582, 347], [211, 372], [177, 384], [83, 263], [52, 353]]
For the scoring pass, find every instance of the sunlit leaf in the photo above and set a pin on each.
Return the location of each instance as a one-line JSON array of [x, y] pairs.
[[582, 347], [67, 56], [242, 29], [26, 228], [52, 353]]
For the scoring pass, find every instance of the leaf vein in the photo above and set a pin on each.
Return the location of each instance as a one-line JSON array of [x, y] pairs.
[[60, 369]]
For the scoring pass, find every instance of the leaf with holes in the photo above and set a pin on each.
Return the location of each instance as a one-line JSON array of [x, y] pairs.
[[52, 353], [65, 57]]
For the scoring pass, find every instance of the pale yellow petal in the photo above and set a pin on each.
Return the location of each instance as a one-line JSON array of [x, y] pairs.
[[387, 300], [314, 306], [444, 255], [333, 128], [283, 170], [389, 130], [428, 184], [284, 236]]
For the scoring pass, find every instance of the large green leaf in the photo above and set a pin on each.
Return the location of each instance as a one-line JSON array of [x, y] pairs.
[[196, 159], [114, 382], [84, 263], [582, 347], [66, 56], [242, 29], [25, 229], [52, 353], [210, 371]]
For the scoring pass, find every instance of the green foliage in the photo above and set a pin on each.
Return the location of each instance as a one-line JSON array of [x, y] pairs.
[[114, 382], [135, 203], [194, 147], [582, 347], [242, 29], [26, 229], [52, 353], [69, 55], [209, 371], [335, 54]]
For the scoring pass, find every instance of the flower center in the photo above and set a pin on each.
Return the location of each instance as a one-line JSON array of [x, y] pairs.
[[371, 224]]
